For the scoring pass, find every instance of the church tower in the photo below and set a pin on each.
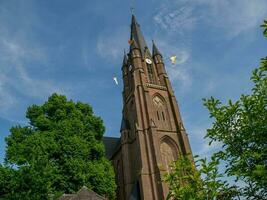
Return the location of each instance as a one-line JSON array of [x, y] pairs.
[[152, 131]]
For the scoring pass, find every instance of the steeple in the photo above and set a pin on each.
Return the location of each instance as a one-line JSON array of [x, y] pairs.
[[137, 36], [155, 50], [152, 133]]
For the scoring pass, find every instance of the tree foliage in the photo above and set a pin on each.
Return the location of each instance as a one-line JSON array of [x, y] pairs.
[[264, 26], [241, 127], [59, 152], [187, 183], [184, 180]]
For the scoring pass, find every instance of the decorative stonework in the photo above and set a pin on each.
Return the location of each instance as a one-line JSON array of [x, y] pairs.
[[157, 101], [150, 85]]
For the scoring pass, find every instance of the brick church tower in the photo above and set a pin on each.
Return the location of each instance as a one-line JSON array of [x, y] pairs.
[[152, 131]]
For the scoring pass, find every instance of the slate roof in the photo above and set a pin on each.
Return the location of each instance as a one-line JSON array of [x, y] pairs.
[[125, 124], [67, 196], [111, 144], [137, 36], [155, 49], [83, 194]]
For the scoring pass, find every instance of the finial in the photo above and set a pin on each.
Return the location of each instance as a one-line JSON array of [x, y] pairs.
[[132, 7], [132, 10]]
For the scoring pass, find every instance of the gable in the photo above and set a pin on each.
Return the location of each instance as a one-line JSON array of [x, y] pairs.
[[111, 144], [83, 194]]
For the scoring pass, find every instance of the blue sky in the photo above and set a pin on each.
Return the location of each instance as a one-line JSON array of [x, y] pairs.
[[76, 47]]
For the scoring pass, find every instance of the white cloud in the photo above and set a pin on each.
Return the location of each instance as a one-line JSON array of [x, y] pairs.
[[180, 74], [175, 17], [179, 71], [201, 145], [6, 99], [235, 17], [206, 150], [232, 17], [15, 78], [110, 46]]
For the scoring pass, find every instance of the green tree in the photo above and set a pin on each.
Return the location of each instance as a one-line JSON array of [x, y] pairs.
[[264, 26], [187, 183], [59, 152], [184, 180], [241, 127], [213, 186]]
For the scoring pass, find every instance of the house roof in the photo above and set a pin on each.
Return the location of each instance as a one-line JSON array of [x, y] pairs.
[[83, 194], [111, 145]]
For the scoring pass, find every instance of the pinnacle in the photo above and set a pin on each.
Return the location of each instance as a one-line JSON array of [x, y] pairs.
[[155, 49], [124, 63]]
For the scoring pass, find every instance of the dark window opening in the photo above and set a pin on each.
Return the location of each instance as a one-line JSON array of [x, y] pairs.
[[158, 115], [163, 116], [150, 73]]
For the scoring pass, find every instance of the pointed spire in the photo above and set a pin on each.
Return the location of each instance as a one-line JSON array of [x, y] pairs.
[[133, 20], [155, 50], [137, 36]]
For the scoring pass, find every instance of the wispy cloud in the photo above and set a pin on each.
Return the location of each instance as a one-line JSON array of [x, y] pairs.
[[110, 46], [206, 150], [180, 74], [17, 57], [180, 71], [201, 145], [6, 99], [25, 65], [176, 17], [232, 17]]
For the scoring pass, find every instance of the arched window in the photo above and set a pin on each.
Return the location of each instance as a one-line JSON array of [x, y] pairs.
[[160, 108], [169, 152], [161, 115], [151, 73]]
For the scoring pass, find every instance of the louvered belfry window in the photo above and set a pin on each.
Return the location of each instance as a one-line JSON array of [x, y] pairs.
[[151, 74]]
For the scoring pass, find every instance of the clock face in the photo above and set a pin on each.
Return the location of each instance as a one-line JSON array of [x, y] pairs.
[[148, 61], [130, 68]]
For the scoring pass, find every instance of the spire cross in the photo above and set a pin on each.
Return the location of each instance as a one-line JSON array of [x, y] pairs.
[[132, 9]]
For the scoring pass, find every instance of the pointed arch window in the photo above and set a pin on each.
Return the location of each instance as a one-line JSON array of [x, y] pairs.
[[151, 73], [159, 104], [161, 114], [169, 152]]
